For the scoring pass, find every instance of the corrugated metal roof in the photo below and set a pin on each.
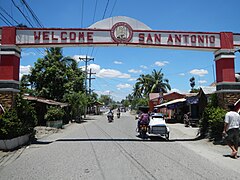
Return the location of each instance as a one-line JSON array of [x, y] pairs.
[[170, 102], [154, 96], [45, 101], [209, 89]]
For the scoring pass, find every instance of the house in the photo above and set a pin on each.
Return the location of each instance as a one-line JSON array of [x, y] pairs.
[[154, 99], [41, 104], [194, 103], [168, 100]]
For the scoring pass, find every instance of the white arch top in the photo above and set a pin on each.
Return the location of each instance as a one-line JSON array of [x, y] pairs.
[[119, 30], [109, 23]]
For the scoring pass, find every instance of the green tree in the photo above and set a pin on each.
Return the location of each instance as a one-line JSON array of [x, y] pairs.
[[153, 83], [78, 101], [53, 76], [192, 84], [105, 99], [158, 83]]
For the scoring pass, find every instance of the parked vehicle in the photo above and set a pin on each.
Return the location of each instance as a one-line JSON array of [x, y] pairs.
[[158, 126]]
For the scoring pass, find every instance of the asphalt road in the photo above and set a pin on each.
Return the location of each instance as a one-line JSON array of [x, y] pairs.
[[98, 150]]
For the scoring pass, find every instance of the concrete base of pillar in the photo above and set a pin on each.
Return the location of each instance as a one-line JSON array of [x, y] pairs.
[[9, 84], [7, 99], [228, 93], [8, 92]]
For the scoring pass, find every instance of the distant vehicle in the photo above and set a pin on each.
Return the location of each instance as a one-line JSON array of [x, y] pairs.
[[158, 126], [118, 114], [123, 109], [110, 116]]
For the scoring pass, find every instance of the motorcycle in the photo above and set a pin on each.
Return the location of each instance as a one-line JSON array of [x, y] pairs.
[[118, 114], [143, 128], [110, 117]]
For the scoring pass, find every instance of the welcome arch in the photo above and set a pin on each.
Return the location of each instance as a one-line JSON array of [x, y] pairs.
[[118, 31]]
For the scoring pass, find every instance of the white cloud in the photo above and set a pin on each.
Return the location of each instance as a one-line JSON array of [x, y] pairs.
[[132, 79], [95, 68], [28, 54], [161, 63], [24, 70], [105, 73], [202, 81], [199, 72], [77, 57], [123, 86], [181, 74], [144, 67], [117, 62], [107, 92], [111, 73], [175, 90], [134, 71]]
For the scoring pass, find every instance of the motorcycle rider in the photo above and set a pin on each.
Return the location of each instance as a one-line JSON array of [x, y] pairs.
[[118, 112], [143, 118], [110, 114]]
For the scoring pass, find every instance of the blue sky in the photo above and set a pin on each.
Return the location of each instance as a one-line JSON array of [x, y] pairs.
[[123, 64]]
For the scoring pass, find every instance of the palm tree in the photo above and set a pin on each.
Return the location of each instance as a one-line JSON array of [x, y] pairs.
[[142, 84], [153, 83], [158, 83], [137, 91]]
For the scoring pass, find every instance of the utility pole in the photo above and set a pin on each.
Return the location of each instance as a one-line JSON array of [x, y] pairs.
[[90, 81], [86, 60]]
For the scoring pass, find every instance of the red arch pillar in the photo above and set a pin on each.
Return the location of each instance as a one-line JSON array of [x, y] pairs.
[[225, 71], [228, 90], [224, 59], [9, 67]]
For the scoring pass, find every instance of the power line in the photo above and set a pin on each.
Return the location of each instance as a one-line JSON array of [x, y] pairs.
[[32, 13], [94, 14], [22, 13], [105, 10], [9, 15], [113, 8], [5, 19], [82, 13]]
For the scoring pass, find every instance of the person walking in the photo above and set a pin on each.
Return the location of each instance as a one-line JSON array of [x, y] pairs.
[[231, 130]]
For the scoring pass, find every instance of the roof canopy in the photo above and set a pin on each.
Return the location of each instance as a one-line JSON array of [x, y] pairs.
[[170, 103], [45, 101]]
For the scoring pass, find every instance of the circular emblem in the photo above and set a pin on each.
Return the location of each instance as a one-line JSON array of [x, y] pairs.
[[121, 32]]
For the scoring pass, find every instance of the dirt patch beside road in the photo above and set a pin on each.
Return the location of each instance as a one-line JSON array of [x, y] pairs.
[[42, 131], [218, 154]]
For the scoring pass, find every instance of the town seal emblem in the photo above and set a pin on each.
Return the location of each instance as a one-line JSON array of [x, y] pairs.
[[121, 32]]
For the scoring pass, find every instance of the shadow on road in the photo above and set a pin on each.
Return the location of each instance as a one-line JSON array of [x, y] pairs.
[[99, 140], [150, 139], [157, 138], [229, 156]]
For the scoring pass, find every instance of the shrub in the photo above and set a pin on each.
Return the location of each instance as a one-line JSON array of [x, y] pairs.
[[26, 113], [10, 125], [212, 123], [19, 120], [54, 113]]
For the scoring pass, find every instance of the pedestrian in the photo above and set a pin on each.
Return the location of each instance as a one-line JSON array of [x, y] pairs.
[[231, 130], [187, 119]]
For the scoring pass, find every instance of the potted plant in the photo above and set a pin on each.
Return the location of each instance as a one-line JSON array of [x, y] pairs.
[[54, 117]]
